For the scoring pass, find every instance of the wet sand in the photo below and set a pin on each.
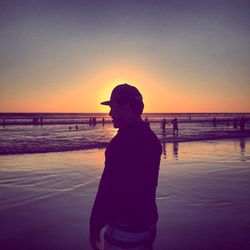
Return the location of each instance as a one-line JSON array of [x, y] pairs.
[[203, 197]]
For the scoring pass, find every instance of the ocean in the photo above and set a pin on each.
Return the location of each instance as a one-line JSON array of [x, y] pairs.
[[56, 132], [46, 197]]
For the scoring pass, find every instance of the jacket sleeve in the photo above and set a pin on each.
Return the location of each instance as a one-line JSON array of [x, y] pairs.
[[103, 199]]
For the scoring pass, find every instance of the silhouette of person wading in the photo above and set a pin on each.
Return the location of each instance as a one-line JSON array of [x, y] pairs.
[[125, 204]]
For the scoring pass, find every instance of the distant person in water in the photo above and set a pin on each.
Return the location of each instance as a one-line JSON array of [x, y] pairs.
[[214, 122], [242, 123], [163, 125], [94, 121], [175, 126], [125, 204], [103, 121], [235, 123]]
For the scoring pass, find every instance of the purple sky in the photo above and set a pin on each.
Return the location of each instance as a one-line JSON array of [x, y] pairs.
[[184, 55]]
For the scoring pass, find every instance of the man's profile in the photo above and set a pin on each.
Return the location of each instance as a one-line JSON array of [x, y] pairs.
[[125, 204]]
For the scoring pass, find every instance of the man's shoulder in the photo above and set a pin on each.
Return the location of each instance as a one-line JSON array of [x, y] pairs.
[[114, 142], [130, 138]]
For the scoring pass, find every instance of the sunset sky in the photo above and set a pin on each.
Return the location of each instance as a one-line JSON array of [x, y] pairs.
[[66, 56]]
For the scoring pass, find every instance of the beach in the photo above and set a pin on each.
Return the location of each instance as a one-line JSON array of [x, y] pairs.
[[203, 197], [75, 75]]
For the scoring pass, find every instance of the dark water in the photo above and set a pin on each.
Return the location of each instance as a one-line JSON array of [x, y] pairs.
[[20, 133]]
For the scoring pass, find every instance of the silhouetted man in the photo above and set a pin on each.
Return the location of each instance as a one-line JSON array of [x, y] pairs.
[[125, 204]]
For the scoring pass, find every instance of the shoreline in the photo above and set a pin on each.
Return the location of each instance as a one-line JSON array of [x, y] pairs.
[[211, 135]]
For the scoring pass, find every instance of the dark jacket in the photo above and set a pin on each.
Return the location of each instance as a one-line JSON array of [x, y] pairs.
[[127, 189]]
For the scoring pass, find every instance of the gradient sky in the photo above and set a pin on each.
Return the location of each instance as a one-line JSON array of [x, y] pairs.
[[66, 56]]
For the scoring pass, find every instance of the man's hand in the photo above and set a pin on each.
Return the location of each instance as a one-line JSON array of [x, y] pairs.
[[95, 241]]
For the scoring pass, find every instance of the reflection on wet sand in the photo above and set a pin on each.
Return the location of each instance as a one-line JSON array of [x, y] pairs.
[[242, 148], [175, 150], [164, 151], [210, 150]]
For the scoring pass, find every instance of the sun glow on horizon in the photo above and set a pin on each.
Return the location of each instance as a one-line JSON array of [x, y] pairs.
[[113, 75], [67, 57]]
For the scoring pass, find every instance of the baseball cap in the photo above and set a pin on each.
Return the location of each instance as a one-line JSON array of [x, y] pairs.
[[123, 93]]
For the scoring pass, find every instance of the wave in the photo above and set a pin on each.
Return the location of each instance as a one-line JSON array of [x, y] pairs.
[[60, 146]]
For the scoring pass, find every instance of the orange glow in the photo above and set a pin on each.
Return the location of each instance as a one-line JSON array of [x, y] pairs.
[[109, 77], [84, 92]]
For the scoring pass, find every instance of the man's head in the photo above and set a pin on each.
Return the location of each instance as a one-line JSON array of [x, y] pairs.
[[126, 105]]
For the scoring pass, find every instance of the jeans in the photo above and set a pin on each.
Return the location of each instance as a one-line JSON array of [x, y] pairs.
[[118, 239]]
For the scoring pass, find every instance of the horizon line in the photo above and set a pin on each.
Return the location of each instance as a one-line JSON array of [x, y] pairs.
[[172, 112]]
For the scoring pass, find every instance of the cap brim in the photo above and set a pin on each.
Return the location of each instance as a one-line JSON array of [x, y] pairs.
[[106, 103]]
